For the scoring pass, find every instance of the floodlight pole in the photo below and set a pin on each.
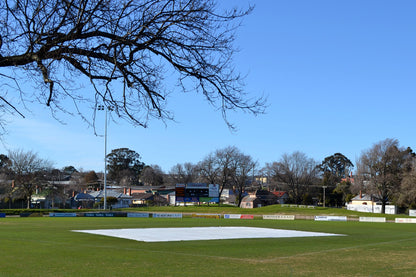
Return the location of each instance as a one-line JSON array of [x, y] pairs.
[[105, 162], [324, 187], [109, 108]]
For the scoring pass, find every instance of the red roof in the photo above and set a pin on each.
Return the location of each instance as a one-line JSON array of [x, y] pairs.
[[279, 193]]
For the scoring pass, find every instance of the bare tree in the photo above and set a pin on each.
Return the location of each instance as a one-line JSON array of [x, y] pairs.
[[208, 169], [297, 171], [407, 194], [184, 173], [380, 169], [227, 167], [242, 165], [6, 188], [217, 167], [78, 183], [124, 49], [53, 188], [152, 175], [28, 170], [91, 180]]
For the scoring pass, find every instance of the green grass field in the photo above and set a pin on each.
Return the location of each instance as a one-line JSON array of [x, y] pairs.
[[47, 247]]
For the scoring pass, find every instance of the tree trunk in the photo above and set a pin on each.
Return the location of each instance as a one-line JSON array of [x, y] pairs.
[[383, 206]]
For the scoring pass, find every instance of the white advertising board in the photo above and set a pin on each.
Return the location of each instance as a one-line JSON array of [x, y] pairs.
[[412, 212], [142, 215], [405, 220], [372, 219], [232, 216], [330, 218], [166, 215], [279, 217], [218, 216]]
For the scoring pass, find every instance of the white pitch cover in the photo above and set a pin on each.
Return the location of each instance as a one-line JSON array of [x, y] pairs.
[[201, 233]]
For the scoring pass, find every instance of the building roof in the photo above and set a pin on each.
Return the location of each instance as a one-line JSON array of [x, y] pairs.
[[279, 193], [365, 197], [248, 198], [142, 196], [110, 193], [83, 197]]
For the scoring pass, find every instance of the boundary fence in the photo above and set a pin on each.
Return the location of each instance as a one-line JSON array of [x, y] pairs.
[[232, 216], [218, 216]]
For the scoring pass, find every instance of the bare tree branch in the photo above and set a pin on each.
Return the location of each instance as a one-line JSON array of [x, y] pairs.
[[132, 43]]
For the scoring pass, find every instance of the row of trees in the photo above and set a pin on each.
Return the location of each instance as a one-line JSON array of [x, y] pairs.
[[385, 170], [24, 173]]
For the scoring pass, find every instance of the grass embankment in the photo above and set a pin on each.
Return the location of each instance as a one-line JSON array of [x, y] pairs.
[[273, 209]]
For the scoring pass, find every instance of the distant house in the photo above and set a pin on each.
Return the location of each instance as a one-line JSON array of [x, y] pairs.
[[364, 199], [250, 202], [148, 199], [369, 203], [282, 196], [260, 198], [141, 199], [123, 200], [83, 200]]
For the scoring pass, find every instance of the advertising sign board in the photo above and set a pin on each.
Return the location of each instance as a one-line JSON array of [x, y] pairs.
[[372, 219], [239, 216], [279, 217], [142, 215], [217, 216], [247, 216], [232, 216], [105, 214], [166, 215], [214, 190], [62, 214], [330, 218], [405, 220]]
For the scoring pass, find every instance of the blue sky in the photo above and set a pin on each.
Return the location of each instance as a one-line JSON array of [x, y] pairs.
[[339, 76]]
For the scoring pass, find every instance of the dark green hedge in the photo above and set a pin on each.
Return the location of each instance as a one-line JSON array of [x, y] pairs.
[[40, 211]]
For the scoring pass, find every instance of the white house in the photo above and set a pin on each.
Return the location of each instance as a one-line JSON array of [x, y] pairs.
[[369, 204]]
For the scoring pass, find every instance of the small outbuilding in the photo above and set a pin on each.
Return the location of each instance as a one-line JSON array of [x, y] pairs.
[[258, 199]]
